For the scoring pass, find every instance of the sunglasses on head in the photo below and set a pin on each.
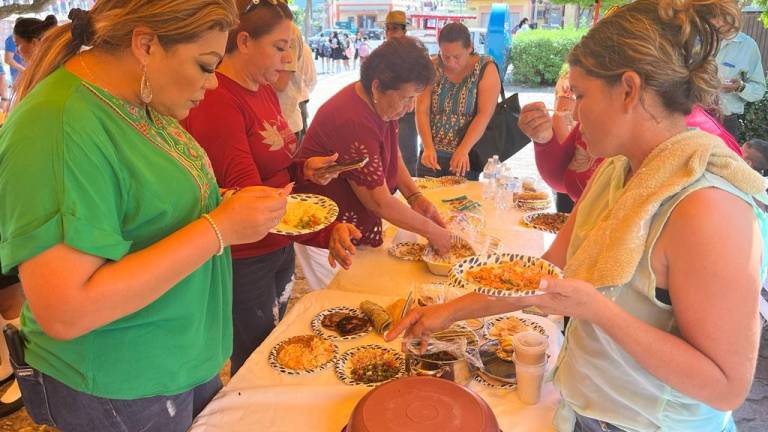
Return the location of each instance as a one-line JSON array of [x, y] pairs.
[[253, 3]]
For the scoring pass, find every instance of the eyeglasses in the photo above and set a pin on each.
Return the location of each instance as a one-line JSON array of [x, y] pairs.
[[252, 5]]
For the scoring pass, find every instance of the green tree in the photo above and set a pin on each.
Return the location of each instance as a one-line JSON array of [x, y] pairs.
[[21, 9], [764, 4], [586, 8]]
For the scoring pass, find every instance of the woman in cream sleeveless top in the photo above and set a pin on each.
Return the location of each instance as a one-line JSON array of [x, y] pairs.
[[664, 253]]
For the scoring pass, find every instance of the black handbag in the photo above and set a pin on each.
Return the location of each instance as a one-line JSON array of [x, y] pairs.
[[502, 136]]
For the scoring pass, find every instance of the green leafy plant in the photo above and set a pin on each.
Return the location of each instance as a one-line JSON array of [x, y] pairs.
[[754, 121], [538, 55]]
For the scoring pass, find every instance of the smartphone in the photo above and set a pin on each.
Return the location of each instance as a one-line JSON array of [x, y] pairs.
[[343, 166]]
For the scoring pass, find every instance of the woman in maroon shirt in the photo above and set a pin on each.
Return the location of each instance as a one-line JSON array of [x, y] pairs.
[[361, 121], [249, 143]]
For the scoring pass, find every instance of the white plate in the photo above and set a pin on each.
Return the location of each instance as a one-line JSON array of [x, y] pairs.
[[531, 324], [529, 220], [344, 367], [318, 329], [457, 276], [328, 211], [401, 250], [272, 360]]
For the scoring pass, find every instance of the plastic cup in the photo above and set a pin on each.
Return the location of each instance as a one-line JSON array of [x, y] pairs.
[[529, 380], [530, 347]]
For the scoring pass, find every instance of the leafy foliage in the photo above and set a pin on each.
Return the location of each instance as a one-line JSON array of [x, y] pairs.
[[22, 9], [538, 55], [754, 121]]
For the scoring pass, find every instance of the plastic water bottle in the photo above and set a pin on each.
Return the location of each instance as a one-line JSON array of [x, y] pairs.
[[505, 194], [489, 180]]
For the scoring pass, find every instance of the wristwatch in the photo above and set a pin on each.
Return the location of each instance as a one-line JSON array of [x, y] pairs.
[[741, 87]]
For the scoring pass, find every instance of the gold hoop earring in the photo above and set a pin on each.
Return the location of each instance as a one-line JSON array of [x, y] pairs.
[[146, 88]]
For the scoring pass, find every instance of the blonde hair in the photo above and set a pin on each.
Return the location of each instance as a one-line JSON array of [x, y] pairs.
[[671, 44], [110, 24]]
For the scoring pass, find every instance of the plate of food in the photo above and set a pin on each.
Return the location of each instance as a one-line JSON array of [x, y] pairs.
[[441, 264], [503, 275], [341, 323], [306, 213], [506, 326], [370, 365], [301, 355], [408, 251], [496, 368], [550, 222], [448, 181], [426, 183]]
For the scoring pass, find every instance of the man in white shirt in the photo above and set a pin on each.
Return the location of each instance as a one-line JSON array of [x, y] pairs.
[[295, 82]]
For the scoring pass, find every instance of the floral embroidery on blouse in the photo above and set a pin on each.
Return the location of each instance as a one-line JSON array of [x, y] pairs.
[[453, 106], [168, 135], [371, 175]]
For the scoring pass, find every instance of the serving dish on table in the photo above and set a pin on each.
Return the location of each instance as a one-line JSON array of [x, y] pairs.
[[341, 323], [503, 275], [306, 213], [407, 250], [421, 404], [551, 222], [370, 365], [301, 355]]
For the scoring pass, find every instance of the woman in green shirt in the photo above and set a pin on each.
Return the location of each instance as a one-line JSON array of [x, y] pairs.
[[110, 214]]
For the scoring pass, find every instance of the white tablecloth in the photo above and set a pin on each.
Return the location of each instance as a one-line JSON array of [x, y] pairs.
[[261, 399], [374, 271]]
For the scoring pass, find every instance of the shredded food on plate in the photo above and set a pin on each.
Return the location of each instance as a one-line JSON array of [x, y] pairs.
[[302, 353], [513, 275]]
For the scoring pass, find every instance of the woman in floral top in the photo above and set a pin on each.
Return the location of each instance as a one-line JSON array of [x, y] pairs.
[[453, 113]]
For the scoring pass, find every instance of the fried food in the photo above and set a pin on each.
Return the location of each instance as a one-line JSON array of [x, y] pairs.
[[551, 222], [305, 352], [514, 275], [504, 330], [351, 324]]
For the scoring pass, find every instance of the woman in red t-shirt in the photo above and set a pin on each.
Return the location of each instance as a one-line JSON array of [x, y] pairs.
[[249, 143], [361, 121]]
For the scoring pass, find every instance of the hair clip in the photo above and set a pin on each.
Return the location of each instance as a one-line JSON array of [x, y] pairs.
[[252, 5]]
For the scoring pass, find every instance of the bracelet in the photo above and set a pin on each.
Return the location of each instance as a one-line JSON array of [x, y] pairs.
[[217, 232], [412, 196], [742, 87], [230, 192]]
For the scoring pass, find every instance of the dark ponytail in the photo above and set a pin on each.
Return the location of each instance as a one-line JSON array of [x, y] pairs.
[[30, 29]]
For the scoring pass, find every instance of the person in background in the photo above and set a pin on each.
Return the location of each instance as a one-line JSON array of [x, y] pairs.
[[337, 51], [291, 84], [27, 33], [561, 152], [521, 26], [5, 99], [309, 80], [743, 80], [360, 121], [664, 331], [396, 25], [756, 155], [250, 143], [349, 51], [365, 51], [12, 57], [452, 114], [121, 238]]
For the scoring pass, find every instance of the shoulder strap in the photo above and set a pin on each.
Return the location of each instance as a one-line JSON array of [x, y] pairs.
[[480, 79]]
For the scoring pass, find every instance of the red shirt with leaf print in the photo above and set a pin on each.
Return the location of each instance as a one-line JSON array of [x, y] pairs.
[[249, 143], [347, 125]]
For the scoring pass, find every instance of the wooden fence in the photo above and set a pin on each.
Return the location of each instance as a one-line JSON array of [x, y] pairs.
[[753, 26]]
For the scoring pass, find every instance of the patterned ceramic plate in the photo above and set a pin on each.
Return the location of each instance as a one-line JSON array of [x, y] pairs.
[[448, 181], [304, 340], [533, 205], [306, 213], [548, 222], [344, 363], [494, 263], [492, 384], [426, 183], [318, 329], [408, 251], [500, 323]]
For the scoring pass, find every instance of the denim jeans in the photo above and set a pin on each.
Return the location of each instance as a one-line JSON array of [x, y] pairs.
[[444, 160], [50, 402], [587, 424], [259, 299]]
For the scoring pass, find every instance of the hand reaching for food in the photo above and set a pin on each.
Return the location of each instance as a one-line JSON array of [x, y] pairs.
[[340, 247], [248, 215]]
